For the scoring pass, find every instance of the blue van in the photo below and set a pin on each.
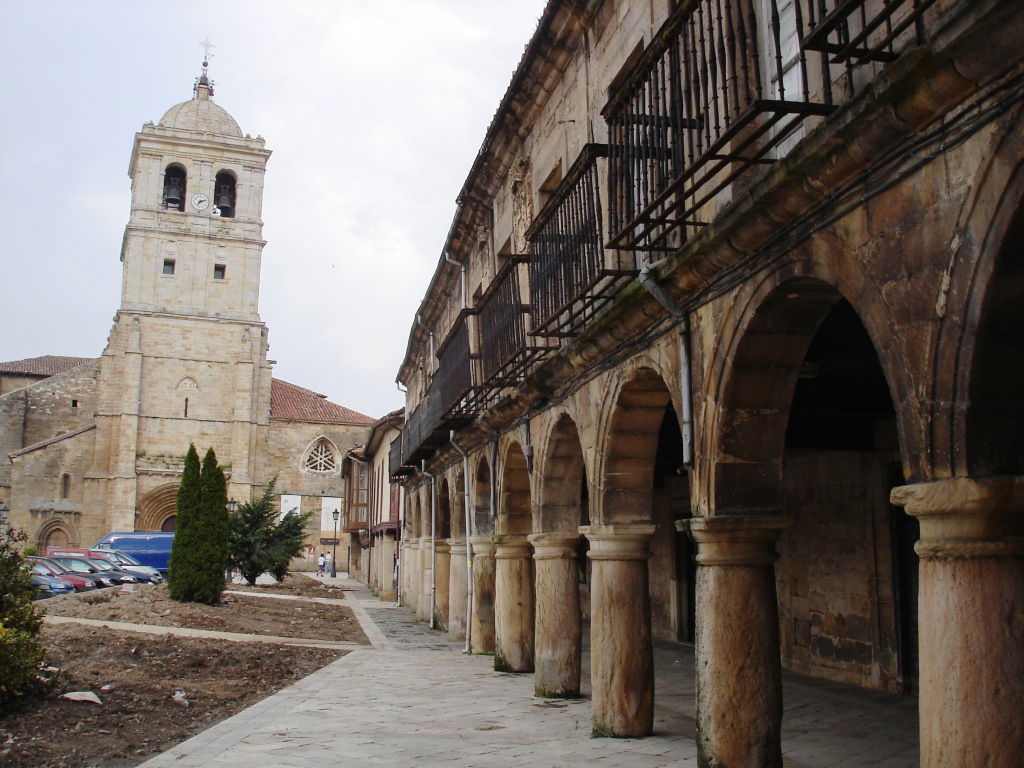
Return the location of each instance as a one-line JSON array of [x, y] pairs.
[[151, 548]]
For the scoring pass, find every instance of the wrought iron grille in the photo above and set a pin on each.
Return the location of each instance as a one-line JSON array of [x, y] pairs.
[[453, 379], [855, 32], [571, 275], [506, 349], [420, 435], [723, 83]]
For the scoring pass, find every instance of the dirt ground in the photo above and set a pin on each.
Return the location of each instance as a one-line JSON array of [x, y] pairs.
[[138, 676]]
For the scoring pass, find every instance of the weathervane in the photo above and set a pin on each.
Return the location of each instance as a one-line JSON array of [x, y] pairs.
[[203, 79]]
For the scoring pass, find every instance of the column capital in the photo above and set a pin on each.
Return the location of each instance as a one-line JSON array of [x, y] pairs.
[[627, 541], [482, 545], [457, 547], [964, 517], [737, 540], [442, 545], [510, 546], [554, 546]]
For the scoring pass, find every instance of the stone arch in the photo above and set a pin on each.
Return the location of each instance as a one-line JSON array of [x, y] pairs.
[[156, 507], [444, 510], [987, 417], [514, 506], [482, 499], [753, 377], [458, 506], [630, 448], [57, 532], [564, 494]]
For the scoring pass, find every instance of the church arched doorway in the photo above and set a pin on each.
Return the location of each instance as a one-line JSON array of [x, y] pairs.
[[158, 509]]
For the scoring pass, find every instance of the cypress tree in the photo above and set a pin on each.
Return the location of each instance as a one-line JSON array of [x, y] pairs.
[[180, 573], [199, 553]]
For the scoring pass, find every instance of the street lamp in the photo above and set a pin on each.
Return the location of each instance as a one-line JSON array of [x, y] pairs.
[[4, 520], [334, 557], [229, 575], [232, 505]]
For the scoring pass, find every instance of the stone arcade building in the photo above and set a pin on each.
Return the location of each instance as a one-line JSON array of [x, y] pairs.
[[97, 444], [725, 346]]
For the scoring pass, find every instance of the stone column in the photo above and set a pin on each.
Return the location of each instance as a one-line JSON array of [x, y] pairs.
[[559, 628], [424, 603], [410, 569], [387, 567], [971, 619], [457, 590], [739, 672], [513, 604], [443, 566], [481, 639], [621, 654]]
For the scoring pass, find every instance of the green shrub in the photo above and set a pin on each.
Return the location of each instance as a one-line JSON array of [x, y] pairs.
[[21, 654], [258, 543]]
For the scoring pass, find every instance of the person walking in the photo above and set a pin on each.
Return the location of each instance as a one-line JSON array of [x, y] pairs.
[[322, 562]]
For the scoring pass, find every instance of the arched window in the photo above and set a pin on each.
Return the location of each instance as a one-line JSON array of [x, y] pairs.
[[65, 485], [174, 187], [321, 457], [224, 194]]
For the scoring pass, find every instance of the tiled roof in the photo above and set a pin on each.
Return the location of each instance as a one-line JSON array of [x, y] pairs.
[[293, 403], [47, 365]]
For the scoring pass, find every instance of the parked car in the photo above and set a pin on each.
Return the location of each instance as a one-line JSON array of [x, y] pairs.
[[82, 582], [152, 548], [79, 564], [50, 586], [117, 559]]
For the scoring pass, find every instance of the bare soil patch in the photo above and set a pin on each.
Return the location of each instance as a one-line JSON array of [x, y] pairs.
[[150, 604], [137, 675], [302, 586]]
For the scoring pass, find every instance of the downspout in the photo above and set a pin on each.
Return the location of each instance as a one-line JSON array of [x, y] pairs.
[[685, 388], [433, 542], [398, 545], [493, 465], [462, 275], [469, 546]]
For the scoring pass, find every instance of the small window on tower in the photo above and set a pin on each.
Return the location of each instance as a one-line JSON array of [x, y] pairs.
[[168, 266], [219, 270], [74, 403]]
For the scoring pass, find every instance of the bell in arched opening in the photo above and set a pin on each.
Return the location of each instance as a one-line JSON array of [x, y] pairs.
[[174, 187], [224, 197]]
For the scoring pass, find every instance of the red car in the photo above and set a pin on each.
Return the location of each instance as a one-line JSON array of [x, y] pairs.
[[46, 567]]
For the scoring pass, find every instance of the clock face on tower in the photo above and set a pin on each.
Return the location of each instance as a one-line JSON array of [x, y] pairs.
[[200, 201]]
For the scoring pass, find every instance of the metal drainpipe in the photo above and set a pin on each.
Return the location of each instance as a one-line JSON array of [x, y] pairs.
[[462, 275], [398, 546], [469, 546], [647, 280], [433, 542]]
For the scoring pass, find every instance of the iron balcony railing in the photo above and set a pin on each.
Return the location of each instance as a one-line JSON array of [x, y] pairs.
[[723, 84], [506, 348], [854, 34], [453, 379], [421, 435], [572, 276]]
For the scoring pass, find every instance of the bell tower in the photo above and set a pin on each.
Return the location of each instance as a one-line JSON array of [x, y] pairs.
[[186, 360]]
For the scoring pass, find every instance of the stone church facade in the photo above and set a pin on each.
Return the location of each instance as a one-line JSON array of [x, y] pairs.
[[97, 445], [724, 347]]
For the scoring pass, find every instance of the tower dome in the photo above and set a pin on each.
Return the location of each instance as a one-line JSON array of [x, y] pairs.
[[201, 114]]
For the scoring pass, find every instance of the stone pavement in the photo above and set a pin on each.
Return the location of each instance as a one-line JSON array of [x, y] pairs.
[[414, 699]]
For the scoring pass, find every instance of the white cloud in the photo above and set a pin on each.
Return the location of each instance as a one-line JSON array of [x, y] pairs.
[[374, 112]]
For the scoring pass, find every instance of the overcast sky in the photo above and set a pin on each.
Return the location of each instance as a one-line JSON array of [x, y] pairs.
[[374, 111]]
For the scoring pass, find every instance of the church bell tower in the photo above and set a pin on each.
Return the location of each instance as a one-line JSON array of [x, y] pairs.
[[186, 360]]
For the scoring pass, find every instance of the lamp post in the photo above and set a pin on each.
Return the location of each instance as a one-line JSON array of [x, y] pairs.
[[334, 557], [4, 520]]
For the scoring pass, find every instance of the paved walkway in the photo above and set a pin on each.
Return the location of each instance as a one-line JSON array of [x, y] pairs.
[[413, 699]]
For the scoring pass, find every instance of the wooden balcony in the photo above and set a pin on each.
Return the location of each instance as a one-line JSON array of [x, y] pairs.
[[396, 469], [453, 379], [720, 89], [572, 276], [422, 433]]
